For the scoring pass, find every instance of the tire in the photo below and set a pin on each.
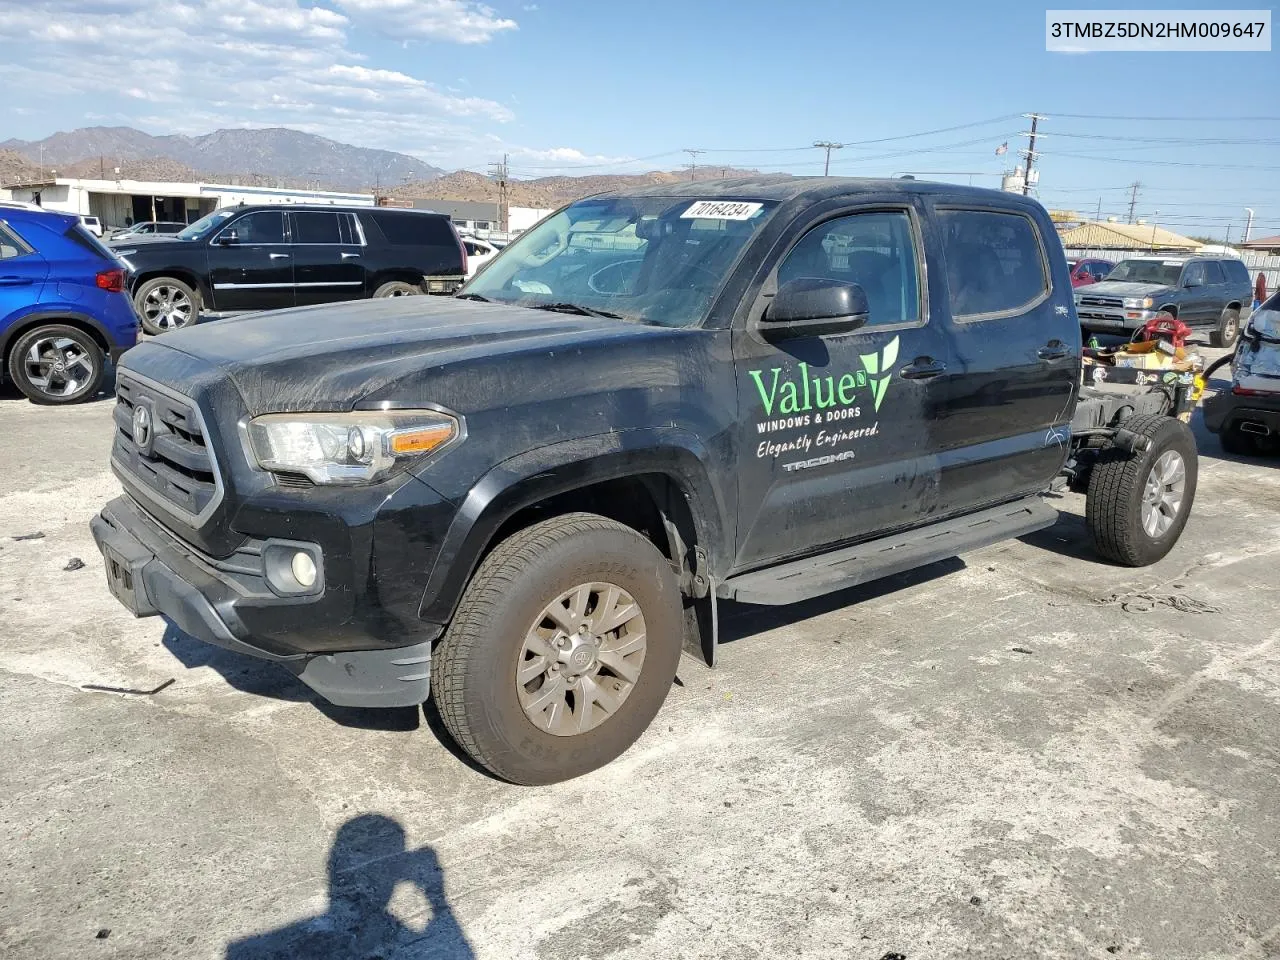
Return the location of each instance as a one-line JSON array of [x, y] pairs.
[[502, 612], [1228, 331], [1237, 442], [1122, 530], [164, 304], [56, 364], [397, 288]]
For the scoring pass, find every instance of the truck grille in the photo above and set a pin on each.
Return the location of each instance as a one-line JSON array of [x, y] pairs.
[[163, 449], [1088, 301]]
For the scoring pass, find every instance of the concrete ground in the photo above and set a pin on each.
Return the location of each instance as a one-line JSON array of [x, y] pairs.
[[1023, 753]]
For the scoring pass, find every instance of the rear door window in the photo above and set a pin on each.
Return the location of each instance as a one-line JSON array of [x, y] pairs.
[[1213, 273], [995, 263], [320, 227]]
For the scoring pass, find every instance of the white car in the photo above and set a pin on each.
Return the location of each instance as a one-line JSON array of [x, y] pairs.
[[479, 252], [92, 224]]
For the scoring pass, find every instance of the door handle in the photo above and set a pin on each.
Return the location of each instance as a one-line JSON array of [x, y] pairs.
[[1053, 350], [922, 368], [15, 281], [278, 256], [349, 256]]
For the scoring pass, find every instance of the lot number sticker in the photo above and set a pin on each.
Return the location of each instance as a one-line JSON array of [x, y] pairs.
[[721, 210]]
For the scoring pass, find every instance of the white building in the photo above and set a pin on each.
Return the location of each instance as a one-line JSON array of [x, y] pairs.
[[118, 203]]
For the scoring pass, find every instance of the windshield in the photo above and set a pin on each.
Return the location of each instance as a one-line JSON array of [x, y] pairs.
[[1164, 272], [655, 259], [205, 225]]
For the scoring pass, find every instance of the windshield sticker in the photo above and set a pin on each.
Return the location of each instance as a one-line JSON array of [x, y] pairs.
[[811, 403], [1172, 263], [721, 210]]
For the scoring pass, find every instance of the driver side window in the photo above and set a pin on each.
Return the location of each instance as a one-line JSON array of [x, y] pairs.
[[265, 226], [877, 251], [1193, 275]]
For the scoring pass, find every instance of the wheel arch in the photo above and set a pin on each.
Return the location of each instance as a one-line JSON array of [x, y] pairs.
[[187, 275], [70, 318], [665, 492]]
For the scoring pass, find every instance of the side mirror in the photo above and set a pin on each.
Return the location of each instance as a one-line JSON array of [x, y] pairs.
[[1191, 282], [228, 238], [814, 307]]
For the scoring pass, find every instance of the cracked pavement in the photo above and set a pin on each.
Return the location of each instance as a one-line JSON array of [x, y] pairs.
[[1023, 752]]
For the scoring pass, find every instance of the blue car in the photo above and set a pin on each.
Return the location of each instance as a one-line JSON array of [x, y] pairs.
[[63, 306]]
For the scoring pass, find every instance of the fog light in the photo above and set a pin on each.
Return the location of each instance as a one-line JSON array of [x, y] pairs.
[[304, 569]]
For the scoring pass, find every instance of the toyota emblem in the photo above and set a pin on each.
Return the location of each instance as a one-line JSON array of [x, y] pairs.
[[141, 428]]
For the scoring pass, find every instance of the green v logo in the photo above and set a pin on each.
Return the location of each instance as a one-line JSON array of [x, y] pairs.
[[879, 367]]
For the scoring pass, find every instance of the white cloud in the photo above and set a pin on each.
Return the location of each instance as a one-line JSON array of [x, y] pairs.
[[457, 21], [191, 66]]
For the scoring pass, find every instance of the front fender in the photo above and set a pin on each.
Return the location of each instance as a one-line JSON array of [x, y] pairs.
[[536, 475]]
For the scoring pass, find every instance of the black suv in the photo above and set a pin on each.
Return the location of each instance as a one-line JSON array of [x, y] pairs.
[[265, 257], [1199, 291]]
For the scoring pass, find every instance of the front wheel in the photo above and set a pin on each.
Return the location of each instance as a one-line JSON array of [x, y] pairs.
[[562, 650], [56, 364], [1138, 503]]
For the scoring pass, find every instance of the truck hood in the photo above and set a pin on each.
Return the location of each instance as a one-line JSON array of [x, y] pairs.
[[1124, 288], [333, 356]]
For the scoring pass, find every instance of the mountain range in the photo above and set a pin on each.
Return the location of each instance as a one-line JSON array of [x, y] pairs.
[[273, 153], [277, 156]]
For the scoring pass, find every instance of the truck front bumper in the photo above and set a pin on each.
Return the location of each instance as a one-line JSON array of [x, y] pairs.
[[151, 573]]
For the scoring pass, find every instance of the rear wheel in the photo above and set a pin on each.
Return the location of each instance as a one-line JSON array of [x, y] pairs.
[[1138, 503], [1228, 329], [397, 288], [562, 650], [165, 304], [56, 364]]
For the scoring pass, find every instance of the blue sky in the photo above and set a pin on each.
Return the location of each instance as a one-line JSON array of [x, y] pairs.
[[568, 86]]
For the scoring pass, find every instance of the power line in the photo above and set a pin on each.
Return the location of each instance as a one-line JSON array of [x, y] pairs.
[[1095, 116]]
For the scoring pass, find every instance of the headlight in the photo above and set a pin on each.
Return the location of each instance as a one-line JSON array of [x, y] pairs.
[[1138, 303], [360, 447], [1076, 297]]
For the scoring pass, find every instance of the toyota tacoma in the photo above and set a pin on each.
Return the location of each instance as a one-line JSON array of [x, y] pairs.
[[526, 500]]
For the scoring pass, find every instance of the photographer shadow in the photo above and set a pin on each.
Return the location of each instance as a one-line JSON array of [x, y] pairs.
[[367, 861]]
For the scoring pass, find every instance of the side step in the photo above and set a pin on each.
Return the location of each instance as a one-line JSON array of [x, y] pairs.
[[850, 566]]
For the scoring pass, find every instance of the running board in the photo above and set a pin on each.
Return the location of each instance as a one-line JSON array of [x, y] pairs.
[[850, 566]]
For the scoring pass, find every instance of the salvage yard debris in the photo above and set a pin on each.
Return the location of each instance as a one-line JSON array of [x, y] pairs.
[[1146, 602]]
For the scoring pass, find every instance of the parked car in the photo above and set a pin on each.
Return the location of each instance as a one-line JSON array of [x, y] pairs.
[[1086, 271], [479, 252], [148, 228], [63, 306], [92, 224], [1200, 291], [1246, 418], [265, 257], [20, 205], [525, 499]]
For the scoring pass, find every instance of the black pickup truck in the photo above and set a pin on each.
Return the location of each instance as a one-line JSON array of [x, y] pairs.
[[526, 500], [266, 257]]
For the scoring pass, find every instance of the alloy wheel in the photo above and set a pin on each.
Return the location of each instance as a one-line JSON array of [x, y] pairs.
[[58, 366], [1163, 493], [167, 307], [581, 658]]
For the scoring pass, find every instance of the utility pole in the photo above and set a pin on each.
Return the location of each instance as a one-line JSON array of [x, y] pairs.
[[1248, 224], [1098, 218], [693, 161], [1030, 152], [827, 145], [500, 173], [1133, 198]]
